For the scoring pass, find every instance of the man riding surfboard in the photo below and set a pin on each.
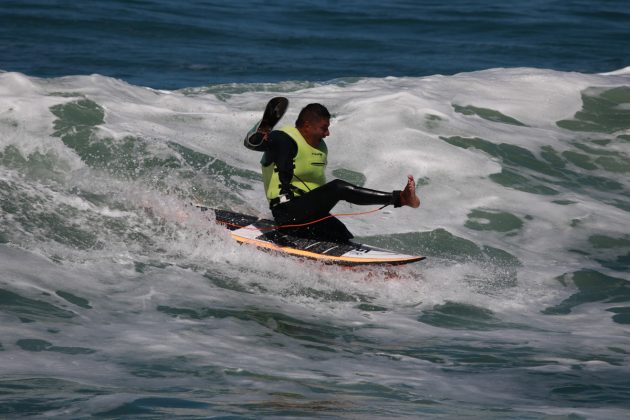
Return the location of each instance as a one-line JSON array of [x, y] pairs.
[[293, 167]]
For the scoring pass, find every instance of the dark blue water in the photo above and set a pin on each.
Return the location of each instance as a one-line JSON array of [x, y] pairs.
[[174, 44]]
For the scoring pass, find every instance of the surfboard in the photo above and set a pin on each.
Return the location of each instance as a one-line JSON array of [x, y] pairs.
[[264, 234]]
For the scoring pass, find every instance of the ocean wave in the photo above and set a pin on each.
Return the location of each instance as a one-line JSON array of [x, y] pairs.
[[523, 178]]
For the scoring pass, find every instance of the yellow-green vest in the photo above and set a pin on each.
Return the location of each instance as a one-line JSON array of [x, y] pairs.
[[309, 166]]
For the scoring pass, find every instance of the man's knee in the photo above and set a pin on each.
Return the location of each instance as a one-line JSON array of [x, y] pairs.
[[340, 185]]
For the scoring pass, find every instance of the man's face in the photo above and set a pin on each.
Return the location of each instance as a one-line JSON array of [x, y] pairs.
[[315, 131]]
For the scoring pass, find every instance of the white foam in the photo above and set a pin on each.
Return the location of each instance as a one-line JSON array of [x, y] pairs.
[[382, 128], [621, 72]]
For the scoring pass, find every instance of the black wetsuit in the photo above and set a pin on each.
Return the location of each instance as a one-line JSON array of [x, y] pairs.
[[305, 206]]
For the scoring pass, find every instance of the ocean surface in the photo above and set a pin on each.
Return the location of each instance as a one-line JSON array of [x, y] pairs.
[[118, 299]]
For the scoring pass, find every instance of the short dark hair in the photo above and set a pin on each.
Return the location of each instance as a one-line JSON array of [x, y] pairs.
[[312, 112]]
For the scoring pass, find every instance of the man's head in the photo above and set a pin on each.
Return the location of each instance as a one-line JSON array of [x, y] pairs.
[[313, 122]]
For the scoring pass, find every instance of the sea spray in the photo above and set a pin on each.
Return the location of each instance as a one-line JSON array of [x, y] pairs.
[[119, 298]]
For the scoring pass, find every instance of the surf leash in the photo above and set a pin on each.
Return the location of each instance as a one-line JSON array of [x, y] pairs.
[[312, 222]]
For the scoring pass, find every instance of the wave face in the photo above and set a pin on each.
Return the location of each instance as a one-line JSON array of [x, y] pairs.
[[117, 298]]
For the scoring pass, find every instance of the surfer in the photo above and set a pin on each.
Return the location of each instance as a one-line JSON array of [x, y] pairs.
[[293, 168]]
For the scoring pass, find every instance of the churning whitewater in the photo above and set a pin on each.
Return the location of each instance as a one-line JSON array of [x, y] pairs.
[[118, 298]]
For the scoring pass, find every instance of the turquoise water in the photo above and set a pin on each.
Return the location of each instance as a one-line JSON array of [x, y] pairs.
[[119, 300]]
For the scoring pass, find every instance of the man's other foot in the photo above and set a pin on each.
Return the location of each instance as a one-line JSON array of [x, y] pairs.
[[408, 196]]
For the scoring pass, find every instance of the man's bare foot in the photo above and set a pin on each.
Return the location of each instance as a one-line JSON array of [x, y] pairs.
[[408, 196]]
